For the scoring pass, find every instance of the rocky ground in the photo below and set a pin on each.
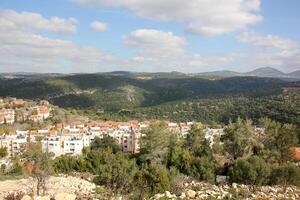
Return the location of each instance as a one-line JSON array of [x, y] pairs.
[[71, 188], [55, 185], [200, 190]]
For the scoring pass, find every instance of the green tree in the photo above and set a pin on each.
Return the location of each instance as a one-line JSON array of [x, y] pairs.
[[152, 178], [202, 168], [254, 171], [286, 174], [239, 139], [280, 139], [105, 143], [3, 152], [197, 158], [115, 171], [175, 151], [154, 144]]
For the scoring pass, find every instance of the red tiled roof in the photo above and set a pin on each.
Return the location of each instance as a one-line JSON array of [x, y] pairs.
[[296, 152]]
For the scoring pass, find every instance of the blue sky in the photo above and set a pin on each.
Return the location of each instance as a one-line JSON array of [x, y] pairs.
[[169, 35]]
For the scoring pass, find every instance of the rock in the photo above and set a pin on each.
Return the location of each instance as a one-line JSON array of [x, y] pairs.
[[191, 194], [26, 197], [158, 196], [234, 185], [168, 194], [44, 198], [182, 196], [65, 196]]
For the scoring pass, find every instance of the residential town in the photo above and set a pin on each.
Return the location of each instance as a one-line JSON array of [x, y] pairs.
[[72, 137]]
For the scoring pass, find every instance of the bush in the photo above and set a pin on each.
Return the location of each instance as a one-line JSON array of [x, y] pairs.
[[253, 171], [286, 175]]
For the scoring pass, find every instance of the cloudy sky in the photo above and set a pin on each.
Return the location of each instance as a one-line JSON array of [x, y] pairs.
[[69, 36]]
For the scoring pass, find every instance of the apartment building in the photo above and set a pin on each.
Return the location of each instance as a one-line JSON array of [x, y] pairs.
[[66, 145], [14, 144]]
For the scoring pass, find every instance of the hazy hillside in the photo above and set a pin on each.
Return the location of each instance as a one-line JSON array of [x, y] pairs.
[[180, 99]]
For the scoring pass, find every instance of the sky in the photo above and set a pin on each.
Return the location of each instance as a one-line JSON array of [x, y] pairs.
[[87, 36]]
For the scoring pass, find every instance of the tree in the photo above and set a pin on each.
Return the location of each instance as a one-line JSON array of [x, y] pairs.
[[3, 152], [254, 171], [39, 165], [175, 151], [286, 174], [154, 144], [279, 141], [202, 168], [115, 171], [152, 178], [239, 139], [105, 143], [195, 137], [197, 159]]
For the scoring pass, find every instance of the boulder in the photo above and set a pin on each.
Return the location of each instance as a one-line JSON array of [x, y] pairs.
[[191, 194], [182, 196], [234, 185], [168, 194], [43, 198], [65, 196], [26, 197]]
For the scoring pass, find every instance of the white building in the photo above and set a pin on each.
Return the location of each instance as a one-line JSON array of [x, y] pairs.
[[14, 144], [66, 145]]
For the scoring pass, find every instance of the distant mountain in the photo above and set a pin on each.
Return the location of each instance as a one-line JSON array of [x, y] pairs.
[[266, 72], [223, 73], [295, 74], [260, 72]]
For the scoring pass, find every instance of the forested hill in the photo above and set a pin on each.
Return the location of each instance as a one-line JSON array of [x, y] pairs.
[[133, 92], [174, 98]]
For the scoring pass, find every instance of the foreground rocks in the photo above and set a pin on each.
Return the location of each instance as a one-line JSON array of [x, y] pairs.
[[200, 190], [55, 185]]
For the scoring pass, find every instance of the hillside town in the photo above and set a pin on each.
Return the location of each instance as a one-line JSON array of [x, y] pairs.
[[70, 138]]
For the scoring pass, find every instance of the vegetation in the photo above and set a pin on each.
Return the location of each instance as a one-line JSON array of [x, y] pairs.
[[38, 165], [176, 98], [3, 152]]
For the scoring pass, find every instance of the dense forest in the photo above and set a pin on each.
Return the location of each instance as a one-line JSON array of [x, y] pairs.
[[164, 96]]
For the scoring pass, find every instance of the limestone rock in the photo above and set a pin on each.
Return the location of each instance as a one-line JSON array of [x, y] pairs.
[[65, 196], [26, 197], [191, 194]]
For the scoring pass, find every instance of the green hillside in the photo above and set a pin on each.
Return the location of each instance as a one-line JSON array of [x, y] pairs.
[[175, 98]]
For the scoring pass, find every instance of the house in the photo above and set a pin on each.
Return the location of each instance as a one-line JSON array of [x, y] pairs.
[[43, 112], [44, 103], [296, 153], [18, 102], [7, 116]]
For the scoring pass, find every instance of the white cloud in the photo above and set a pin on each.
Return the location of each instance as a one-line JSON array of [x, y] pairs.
[[158, 50], [22, 46], [28, 21], [99, 26], [154, 44], [272, 50], [208, 17]]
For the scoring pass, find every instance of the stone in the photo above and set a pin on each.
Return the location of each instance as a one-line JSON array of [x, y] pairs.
[[158, 196], [191, 194], [26, 197], [182, 196], [168, 194], [45, 198], [65, 196], [234, 185]]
